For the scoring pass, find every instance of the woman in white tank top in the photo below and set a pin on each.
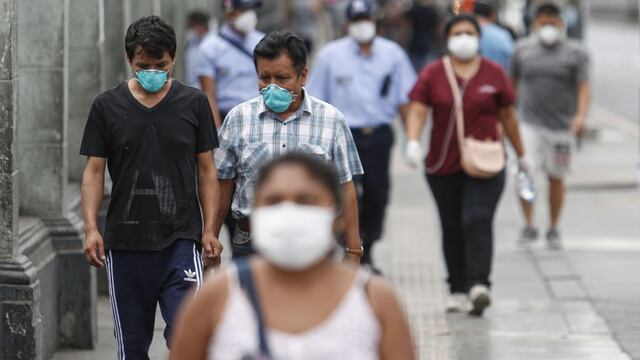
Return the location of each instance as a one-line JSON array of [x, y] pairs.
[[307, 306]]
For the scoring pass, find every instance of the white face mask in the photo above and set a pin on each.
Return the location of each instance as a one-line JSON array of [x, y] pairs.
[[293, 237], [362, 31], [246, 22], [549, 35], [463, 46]]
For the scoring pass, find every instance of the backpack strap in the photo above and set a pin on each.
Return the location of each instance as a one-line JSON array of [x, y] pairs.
[[245, 277]]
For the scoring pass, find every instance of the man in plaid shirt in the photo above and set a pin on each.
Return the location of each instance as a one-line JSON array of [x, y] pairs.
[[284, 118]]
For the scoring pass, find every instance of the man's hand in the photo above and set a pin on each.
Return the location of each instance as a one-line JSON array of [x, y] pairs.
[[212, 249], [94, 249], [578, 125]]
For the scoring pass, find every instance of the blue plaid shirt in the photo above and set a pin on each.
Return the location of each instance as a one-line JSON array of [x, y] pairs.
[[252, 134]]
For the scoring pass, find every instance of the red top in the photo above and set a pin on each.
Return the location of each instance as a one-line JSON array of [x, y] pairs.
[[483, 97]]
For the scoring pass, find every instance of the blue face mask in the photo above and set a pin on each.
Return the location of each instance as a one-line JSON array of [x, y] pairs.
[[277, 99], [152, 81]]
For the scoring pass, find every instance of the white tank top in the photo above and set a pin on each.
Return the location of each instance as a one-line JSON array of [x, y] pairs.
[[352, 331]]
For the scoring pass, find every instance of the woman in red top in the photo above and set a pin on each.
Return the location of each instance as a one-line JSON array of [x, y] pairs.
[[466, 205]]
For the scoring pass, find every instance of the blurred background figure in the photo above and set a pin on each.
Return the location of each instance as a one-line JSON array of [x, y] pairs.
[[198, 28], [225, 62], [466, 204], [292, 300], [390, 20], [303, 18], [496, 43], [552, 77], [368, 78], [424, 43], [572, 13], [335, 10]]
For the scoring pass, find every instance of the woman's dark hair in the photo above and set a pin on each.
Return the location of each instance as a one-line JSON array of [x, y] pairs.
[[277, 43], [317, 168], [484, 8], [548, 8], [153, 34], [458, 19], [198, 17]]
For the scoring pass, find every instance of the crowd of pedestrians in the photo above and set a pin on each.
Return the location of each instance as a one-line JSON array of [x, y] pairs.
[[295, 159]]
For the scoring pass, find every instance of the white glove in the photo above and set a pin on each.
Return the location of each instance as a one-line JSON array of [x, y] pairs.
[[414, 153], [525, 165]]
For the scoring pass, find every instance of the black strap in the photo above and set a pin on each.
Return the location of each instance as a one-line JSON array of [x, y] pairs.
[[246, 282], [233, 43]]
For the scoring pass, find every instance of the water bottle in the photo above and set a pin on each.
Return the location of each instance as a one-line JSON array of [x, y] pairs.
[[638, 175], [525, 187]]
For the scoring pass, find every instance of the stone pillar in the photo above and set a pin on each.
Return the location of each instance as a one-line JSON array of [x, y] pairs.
[[42, 110], [20, 332], [113, 63], [85, 20], [42, 144]]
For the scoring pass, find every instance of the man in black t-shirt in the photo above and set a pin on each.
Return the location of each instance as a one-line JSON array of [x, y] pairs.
[[157, 137]]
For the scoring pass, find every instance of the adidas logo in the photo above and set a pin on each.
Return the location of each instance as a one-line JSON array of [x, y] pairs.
[[190, 276]]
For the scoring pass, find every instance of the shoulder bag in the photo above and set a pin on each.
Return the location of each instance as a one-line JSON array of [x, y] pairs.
[[479, 159]]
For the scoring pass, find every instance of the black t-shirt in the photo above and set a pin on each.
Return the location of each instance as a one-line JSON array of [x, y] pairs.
[[424, 20], [151, 156]]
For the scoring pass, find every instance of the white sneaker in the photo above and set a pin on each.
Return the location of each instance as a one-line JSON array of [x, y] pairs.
[[457, 303], [480, 299]]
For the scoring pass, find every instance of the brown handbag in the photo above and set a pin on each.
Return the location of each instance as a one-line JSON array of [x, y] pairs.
[[479, 159]]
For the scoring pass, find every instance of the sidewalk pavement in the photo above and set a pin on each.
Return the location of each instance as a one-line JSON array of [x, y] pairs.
[[546, 304]]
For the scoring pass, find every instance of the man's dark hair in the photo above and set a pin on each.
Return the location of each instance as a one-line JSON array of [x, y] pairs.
[[153, 34], [198, 18], [461, 18], [549, 9], [484, 8], [318, 169], [277, 43]]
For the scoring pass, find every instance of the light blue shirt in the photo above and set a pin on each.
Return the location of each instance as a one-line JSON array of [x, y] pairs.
[[191, 60], [496, 44], [351, 81], [233, 70]]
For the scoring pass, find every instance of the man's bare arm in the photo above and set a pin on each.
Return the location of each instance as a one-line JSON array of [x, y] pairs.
[[352, 232], [92, 192], [209, 87], [584, 101], [209, 193], [509, 121], [227, 188]]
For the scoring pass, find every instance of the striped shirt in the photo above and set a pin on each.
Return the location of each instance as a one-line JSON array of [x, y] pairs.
[[252, 134]]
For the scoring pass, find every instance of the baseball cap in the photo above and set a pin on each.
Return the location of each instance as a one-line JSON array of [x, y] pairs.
[[231, 5], [359, 8]]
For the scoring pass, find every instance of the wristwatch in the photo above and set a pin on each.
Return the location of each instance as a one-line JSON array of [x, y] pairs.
[[358, 252]]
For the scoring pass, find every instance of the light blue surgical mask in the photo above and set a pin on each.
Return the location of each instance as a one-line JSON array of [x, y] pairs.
[[277, 98], [152, 81]]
